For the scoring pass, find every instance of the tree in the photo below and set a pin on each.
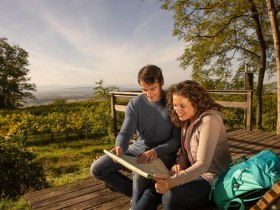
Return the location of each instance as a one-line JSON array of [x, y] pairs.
[[272, 12], [222, 37], [15, 85], [102, 93]]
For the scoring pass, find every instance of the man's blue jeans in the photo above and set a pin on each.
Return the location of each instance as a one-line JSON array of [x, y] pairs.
[[107, 170]]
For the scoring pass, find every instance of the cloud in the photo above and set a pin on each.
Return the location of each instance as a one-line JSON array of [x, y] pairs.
[[79, 42]]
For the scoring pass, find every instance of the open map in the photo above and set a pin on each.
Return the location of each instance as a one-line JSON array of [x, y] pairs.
[[147, 170]]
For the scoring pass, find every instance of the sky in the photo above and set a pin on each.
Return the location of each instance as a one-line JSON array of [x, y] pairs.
[[80, 42]]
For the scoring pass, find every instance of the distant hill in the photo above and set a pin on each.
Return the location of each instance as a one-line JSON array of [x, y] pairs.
[[46, 95], [270, 88]]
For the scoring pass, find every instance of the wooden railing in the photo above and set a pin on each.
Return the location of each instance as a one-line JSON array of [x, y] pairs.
[[246, 104]]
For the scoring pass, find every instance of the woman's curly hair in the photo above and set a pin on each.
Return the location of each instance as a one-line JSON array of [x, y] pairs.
[[197, 95]]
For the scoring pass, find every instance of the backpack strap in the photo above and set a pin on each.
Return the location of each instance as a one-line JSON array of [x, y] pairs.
[[235, 203]]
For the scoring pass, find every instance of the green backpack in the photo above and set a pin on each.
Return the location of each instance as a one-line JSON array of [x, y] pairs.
[[247, 181]]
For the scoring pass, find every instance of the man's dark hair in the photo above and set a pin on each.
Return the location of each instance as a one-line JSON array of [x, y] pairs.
[[150, 74]]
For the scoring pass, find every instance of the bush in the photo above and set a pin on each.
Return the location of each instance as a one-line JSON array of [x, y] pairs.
[[20, 172]]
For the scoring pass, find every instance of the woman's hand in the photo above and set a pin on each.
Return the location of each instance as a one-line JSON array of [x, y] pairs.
[[163, 184], [176, 169], [147, 156]]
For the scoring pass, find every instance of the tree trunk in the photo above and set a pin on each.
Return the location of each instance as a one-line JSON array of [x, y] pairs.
[[259, 91], [272, 13], [262, 67]]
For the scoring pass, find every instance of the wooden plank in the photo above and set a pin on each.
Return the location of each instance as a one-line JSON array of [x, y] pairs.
[[120, 108], [100, 202], [249, 143], [121, 202], [230, 104], [233, 104], [51, 193], [95, 198], [46, 202]]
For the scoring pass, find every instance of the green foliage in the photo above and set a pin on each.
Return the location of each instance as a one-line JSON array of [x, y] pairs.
[[233, 117], [71, 120], [269, 111], [15, 85], [102, 119], [222, 37], [78, 120], [101, 92], [59, 103], [20, 171]]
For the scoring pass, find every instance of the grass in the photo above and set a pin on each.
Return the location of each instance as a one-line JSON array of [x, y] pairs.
[[68, 160], [7, 204], [64, 161]]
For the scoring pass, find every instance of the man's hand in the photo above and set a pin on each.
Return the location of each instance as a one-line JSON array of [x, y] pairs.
[[117, 151], [147, 156], [163, 184]]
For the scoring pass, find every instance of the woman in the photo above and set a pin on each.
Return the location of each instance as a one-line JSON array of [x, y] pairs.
[[205, 151]]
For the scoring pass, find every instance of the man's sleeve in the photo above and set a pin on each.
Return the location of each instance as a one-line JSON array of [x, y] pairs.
[[127, 129], [172, 144]]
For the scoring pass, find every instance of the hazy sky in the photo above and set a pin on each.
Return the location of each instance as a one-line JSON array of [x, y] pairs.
[[79, 42]]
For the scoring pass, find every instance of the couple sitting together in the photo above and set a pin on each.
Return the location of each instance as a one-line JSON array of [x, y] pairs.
[[183, 118]]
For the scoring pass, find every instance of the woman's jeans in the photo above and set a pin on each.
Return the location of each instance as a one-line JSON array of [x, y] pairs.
[[192, 195], [140, 184], [107, 170]]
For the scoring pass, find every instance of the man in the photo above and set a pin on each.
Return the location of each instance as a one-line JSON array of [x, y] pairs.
[[157, 137]]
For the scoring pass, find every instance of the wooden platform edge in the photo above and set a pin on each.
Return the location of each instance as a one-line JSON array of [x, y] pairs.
[[269, 198]]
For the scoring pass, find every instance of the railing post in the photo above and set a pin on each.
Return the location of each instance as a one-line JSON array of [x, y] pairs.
[[248, 85], [249, 110], [113, 114]]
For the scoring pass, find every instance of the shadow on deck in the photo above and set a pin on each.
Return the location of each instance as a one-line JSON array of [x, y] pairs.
[[92, 194]]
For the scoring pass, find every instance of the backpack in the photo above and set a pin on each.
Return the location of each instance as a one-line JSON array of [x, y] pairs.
[[247, 181]]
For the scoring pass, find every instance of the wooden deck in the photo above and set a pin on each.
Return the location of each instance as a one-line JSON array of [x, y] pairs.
[[92, 194]]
